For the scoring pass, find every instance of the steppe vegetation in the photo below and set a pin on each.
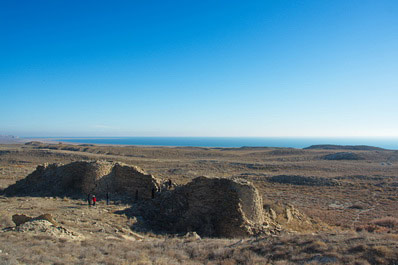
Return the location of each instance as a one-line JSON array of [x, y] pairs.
[[353, 201]]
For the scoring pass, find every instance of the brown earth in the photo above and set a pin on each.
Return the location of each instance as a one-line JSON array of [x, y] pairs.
[[361, 210]]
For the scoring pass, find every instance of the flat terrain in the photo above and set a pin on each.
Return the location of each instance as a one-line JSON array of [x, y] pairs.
[[348, 195]]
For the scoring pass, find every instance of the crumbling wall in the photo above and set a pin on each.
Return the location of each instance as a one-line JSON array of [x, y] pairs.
[[133, 181], [94, 173], [212, 207], [250, 201], [96, 177], [42, 181]]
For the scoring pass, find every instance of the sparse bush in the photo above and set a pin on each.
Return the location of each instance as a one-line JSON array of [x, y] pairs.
[[361, 262], [372, 228], [316, 247], [357, 207], [358, 249], [381, 251]]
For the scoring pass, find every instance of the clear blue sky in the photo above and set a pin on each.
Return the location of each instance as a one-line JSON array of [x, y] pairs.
[[199, 68]]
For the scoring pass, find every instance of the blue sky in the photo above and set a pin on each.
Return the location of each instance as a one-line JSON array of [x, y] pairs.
[[199, 68]]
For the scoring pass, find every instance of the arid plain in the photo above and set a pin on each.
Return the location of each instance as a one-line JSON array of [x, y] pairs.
[[351, 199]]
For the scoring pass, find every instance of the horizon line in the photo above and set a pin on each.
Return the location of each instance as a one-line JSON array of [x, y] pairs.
[[140, 136]]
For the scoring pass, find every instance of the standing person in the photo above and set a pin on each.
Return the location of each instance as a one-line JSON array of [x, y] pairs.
[[169, 184], [107, 198], [89, 200], [94, 200]]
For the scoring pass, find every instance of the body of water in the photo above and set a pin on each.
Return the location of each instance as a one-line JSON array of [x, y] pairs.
[[231, 141]]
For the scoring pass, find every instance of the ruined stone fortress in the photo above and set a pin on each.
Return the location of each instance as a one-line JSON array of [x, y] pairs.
[[95, 177], [215, 207]]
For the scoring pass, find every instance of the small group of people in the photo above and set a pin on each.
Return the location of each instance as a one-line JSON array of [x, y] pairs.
[[168, 185], [91, 199]]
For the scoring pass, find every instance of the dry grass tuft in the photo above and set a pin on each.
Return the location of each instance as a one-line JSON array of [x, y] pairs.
[[390, 222], [316, 247]]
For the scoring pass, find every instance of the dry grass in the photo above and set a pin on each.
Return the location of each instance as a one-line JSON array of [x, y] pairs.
[[343, 205], [390, 222], [305, 249]]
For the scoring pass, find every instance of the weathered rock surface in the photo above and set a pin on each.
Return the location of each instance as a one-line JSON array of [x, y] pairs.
[[45, 227], [20, 219], [96, 177], [42, 225]]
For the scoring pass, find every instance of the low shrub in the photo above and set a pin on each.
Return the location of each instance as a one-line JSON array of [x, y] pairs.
[[390, 222]]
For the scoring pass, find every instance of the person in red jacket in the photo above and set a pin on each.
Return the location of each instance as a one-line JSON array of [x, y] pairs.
[[94, 200]]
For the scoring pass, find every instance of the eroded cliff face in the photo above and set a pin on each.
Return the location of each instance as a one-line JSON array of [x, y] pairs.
[[96, 177]]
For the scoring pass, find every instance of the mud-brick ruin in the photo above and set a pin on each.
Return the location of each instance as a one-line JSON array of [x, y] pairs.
[[96, 177], [209, 206], [212, 207]]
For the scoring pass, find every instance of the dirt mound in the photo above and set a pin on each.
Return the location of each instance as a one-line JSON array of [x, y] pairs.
[[343, 156], [79, 177], [301, 180]]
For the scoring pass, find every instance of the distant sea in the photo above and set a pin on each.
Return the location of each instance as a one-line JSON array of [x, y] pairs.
[[230, 141]]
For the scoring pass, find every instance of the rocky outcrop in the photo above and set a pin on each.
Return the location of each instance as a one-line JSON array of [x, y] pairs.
[[20, 219], [45, 227], [96, 177], [343, 156]]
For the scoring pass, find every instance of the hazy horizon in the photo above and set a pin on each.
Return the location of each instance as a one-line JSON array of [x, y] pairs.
[[182, 136], [235, 142], [200, 69]]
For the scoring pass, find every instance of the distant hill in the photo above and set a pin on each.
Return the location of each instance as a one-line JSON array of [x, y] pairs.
[[345, 147], [9, 139]]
